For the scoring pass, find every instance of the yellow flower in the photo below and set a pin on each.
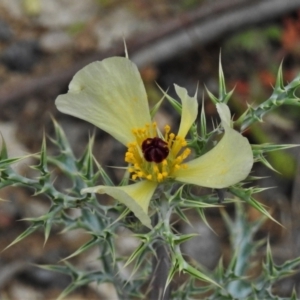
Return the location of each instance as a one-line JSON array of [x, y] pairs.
[[110, 94]]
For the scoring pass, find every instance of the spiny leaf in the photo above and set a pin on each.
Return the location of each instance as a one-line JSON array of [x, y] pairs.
[[211, 96], [181, 214], [57, 268], [60, 138], [67, 291], [222, 85], [264, 161], [94, 241], [4, 163], [245, 194], [3, 152], [109, 241], [172, 272], [261, 209], [85, 165], [199, 204], [282, 95], [269, 261], [294, 294], [23, 235], [203, 129], [140, 259], [47, 231], [43, 165], [106, 179], [199, 275], [156, 107], [264, 148], [184, 238], [176, 105], [279, 86], [137, 252], [224, 96], [203, 218]]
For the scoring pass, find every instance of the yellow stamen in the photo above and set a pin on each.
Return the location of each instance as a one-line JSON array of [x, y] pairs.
[[140, 168]]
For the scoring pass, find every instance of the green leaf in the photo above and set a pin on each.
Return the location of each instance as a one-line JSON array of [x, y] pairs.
[[279, 86], [211, 96], [176, 105], [264, 161], [245, 194], [261, 209], [264, 148], [106, 179], [23, 235], [269, 264], [69, 289], [282, 95], [43, 165], [172, 272], [136, 253], [224, 96], [4, 163], [184, 238], [93, 242], [222, 85], [203, 129], [3, 152], [294, 295], [86, 162], [57, 268], [156, 107], [199, 275], [181, 214]]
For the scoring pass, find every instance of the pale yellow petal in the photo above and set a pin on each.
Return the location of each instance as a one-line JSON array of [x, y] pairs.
[[189, 110], [109, 94], [229, 162], [135, 196], [224, 113]]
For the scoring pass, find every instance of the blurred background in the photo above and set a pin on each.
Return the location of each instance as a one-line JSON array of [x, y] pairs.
[[42, 45]]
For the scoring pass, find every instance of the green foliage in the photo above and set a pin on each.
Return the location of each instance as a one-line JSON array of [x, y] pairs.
[[101, 222], [282, 95], [255, 39], [95, 218]]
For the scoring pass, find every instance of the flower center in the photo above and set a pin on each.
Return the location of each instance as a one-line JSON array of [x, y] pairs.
[[155, 149], [155, 158]]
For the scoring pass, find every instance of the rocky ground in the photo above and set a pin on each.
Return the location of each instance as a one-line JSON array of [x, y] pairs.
[[43, 43]]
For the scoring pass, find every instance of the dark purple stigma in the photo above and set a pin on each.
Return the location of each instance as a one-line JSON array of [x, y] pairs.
[[155, 150]]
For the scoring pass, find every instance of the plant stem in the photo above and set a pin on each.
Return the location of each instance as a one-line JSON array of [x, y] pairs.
[[110, 267], [161, 263], [161, 267]]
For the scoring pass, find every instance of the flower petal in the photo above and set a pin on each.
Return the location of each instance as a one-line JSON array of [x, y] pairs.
[[189, 110], [135, 196], [109, 94], [229, 162], [224, 113]]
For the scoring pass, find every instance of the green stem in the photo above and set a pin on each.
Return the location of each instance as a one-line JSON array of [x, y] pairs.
[[109, 267], [161, 263], [161, 267]]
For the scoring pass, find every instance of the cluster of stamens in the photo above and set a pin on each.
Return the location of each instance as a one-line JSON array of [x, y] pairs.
[[155, 158]]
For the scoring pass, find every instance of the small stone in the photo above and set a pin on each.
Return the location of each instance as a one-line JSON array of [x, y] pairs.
[[6, 32], [61, 14], [12, 7], [55, 41], [20, 291], [21, 55], [205, 248]]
